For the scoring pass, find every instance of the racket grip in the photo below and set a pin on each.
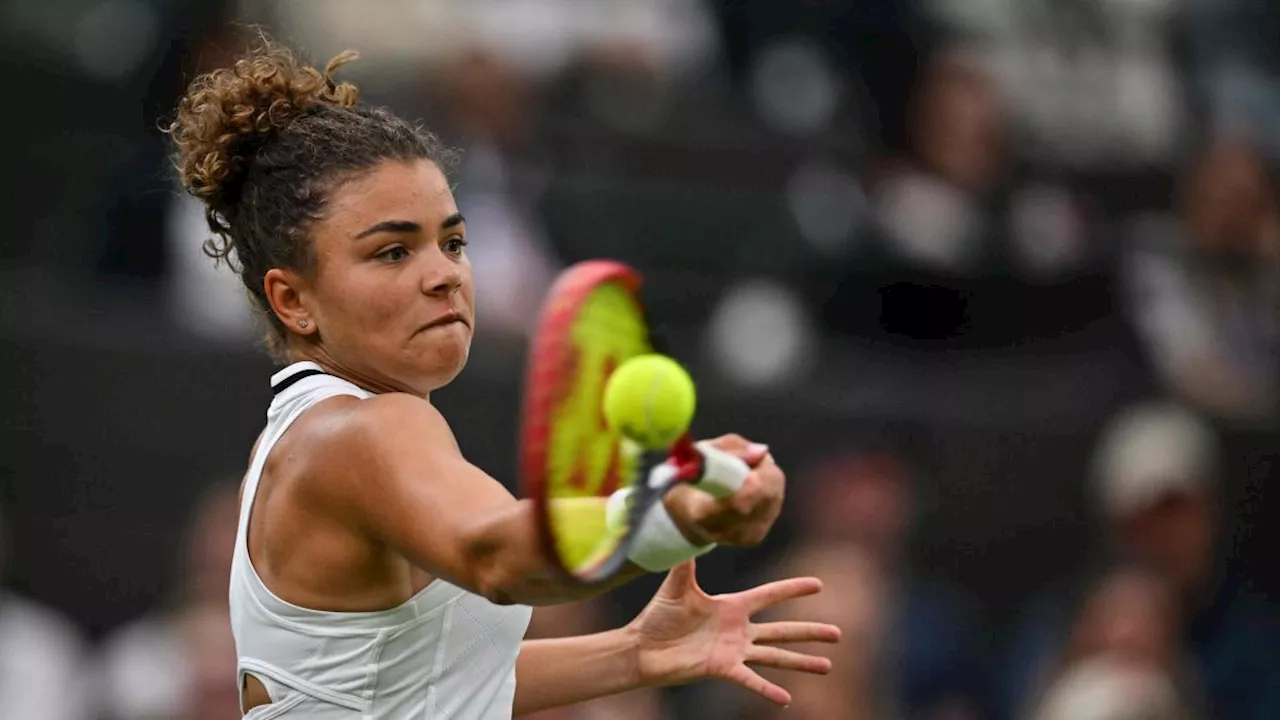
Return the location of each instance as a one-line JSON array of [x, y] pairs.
[[722, 473]]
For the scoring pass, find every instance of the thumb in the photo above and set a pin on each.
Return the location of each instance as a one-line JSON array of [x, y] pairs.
[[680, 580]]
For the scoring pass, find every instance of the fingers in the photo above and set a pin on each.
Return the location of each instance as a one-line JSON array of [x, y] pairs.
[[779, 591], [751, 680], [744, 518], [783, 659], [795, 632], [680, 580], [751, 453]]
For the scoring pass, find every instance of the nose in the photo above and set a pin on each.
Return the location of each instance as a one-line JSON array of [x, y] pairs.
[[442, 280]]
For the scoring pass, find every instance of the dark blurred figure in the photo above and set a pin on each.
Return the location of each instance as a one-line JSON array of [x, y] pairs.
[[188, 642], [913, 642], [1204, 288], [931, 201], [42, 658], [139, 193], [1123, 659], [1157, 470], [964, 246], [1234, 69]]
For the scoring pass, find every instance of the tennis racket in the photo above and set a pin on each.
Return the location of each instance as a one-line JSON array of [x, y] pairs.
[[570, 461]]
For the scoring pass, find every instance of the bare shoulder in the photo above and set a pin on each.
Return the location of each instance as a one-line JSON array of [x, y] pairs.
[[346, 447], [348, 425]]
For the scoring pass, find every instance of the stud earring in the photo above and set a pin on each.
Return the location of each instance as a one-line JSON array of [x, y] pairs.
[[302, 323]]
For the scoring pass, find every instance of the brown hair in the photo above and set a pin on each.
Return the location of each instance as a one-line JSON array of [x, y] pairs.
[[264, 142]]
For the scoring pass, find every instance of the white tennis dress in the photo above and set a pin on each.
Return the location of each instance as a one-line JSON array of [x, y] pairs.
[[444, 653]]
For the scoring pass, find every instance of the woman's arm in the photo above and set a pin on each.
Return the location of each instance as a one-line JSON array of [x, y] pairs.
[[564, 671], [390, 468], [682, 636]]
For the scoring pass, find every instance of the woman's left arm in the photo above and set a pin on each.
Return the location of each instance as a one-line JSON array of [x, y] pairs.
[[682, 636], [565, 671]]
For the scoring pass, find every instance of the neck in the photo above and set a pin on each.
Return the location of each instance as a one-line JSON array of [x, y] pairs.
[[364, 380]]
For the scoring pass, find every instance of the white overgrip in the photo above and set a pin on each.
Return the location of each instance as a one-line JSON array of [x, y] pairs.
[[722, 473]]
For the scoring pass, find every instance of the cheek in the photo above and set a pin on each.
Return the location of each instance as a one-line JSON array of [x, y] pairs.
[[362, 301]]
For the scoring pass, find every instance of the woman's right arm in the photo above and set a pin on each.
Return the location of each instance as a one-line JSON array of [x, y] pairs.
[[395, 473]]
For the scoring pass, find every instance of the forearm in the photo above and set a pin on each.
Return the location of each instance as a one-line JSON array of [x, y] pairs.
[[565, 671]]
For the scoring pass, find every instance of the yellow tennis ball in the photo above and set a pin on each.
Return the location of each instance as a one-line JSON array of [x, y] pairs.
[[651, 400]]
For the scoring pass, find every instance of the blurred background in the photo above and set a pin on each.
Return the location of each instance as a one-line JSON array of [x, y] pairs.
[[998, 281]]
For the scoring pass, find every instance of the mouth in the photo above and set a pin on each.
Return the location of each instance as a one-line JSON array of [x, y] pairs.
[[448, 318]]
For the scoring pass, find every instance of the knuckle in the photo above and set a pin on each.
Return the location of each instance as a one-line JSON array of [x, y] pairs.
[[729, 440]]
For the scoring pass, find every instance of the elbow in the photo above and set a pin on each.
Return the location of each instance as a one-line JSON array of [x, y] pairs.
[[504, 563], [487, 574], [497, 574], [497, 589], [503, 579]]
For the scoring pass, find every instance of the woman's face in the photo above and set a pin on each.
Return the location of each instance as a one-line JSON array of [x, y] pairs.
[[391, 301]]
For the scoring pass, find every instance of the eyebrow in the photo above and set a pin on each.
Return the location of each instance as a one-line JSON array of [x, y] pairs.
[[408, 226]]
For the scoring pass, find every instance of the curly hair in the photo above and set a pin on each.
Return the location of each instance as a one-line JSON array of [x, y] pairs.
[[263, 144]]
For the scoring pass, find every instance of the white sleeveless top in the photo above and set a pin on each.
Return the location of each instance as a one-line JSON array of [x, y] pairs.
[[444, 653]]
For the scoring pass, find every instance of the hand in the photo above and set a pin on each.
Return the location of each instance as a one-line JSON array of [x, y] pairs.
[[686, 635], [743, 519]]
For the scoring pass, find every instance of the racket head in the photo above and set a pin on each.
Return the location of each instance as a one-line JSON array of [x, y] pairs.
[[570, 462]]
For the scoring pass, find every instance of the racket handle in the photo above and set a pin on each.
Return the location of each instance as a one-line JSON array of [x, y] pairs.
[[708, 468], [722, 473]]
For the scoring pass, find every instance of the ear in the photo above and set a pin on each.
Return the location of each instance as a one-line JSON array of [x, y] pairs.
[[284, 290]]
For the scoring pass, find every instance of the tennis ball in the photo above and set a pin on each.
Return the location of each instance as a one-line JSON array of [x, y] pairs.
[[650, 399]]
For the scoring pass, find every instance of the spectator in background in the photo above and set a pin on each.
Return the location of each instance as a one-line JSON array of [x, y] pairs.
[[188, 642], [963, 240], [1123, 658], [1157, 469], [912, 642], [42, 659], [931, 201], [1204, 289]]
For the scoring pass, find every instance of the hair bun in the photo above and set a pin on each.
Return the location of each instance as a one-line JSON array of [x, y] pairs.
[[228, 114]]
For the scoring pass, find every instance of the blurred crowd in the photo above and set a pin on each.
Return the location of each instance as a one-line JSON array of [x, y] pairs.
[[1043, 222]]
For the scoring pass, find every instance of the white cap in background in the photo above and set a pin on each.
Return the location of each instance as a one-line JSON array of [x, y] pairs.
[[1105, 689], [1150, 451]]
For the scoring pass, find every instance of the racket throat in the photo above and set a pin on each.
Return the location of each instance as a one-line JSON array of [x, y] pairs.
[[689, 463]]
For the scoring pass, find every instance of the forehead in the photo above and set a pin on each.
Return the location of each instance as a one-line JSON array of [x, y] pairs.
[[413, 190]]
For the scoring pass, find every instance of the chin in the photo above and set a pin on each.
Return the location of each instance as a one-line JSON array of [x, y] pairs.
[[446, 366]]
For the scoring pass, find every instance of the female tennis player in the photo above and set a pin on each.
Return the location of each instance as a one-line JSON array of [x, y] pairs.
[[377, 573]]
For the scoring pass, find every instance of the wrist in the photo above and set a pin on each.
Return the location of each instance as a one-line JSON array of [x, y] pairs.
[[660, 545], [627, 639]]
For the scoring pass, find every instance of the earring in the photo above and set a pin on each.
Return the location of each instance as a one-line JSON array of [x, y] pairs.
[[302, 323]]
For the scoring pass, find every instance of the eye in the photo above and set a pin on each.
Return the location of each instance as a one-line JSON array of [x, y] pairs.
[[455, 245], [393, 254]]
